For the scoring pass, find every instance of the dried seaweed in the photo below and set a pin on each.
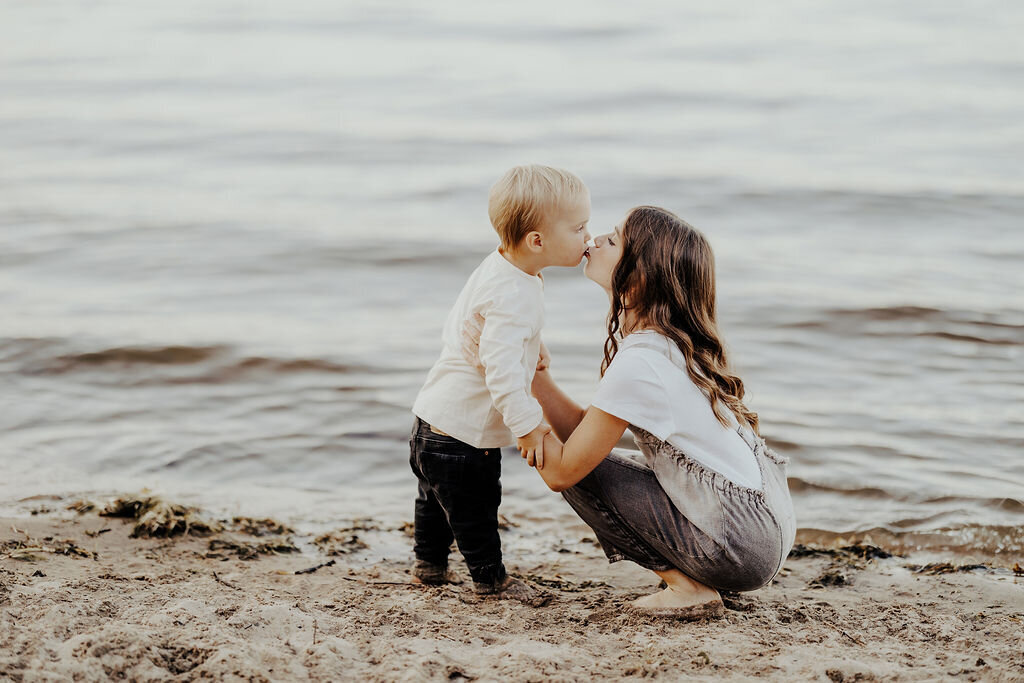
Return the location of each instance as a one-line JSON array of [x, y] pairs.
[[829, 578], [82, 506], [863, 551], [259, 527], [250, 551], [934, 568], [341, 542], [25, 549], [158, 518], [563, 585]]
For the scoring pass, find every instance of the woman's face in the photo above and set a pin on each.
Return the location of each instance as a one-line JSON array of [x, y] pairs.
[[603, 256]]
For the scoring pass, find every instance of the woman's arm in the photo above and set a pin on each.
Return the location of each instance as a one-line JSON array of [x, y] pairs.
[[590, 443], [560, 411]]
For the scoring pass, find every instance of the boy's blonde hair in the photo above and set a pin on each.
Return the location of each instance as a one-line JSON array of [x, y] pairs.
[[518, 201]]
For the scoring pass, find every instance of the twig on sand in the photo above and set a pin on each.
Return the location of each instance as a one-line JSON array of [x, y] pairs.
[[854, 639], [314, 631], [225, 583], [310, 570], [385, 583]]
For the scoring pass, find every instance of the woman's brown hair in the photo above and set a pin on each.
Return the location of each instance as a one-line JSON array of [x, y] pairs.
[[666, 279]]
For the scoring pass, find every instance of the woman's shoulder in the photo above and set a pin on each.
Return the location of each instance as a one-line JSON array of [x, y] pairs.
[[653, 347], [651, 354], [639, 364]]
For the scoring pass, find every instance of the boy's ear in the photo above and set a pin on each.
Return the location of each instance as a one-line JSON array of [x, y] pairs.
[[534, 241]]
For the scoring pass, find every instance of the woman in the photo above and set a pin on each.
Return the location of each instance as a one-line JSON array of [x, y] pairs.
[[709, 509]]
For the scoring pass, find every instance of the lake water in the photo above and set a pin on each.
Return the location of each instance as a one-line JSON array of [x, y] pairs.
[[230, 233]]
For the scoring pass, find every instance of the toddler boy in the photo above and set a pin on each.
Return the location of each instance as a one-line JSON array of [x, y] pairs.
[[464, 416]]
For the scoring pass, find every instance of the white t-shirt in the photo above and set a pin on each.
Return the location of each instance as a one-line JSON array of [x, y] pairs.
[[647, 389]]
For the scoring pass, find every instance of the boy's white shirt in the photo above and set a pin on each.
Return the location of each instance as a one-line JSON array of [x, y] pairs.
[[492, 409]]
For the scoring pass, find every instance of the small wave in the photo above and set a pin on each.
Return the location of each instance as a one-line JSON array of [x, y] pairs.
[[971, 338], [1001, 329], [167, 355], [43, 357], [798, 485], [866, 201], [394, 254], [166, 364], [277, 365], [1004, 504], [888, 313], [782, 444], [967, 539]]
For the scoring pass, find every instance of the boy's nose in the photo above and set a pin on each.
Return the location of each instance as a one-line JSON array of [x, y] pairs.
[[586, 235]]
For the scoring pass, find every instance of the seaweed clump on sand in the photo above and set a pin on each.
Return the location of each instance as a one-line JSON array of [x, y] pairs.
[[259, 527], [249, 551], [861, 551], [25, 549], [561, 584], [158, 518], [936, 568], [82, 506], [844, 558], [341, 542]]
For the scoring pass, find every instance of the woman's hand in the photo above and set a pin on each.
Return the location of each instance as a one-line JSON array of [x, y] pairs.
[[589, 443], [552, 450]]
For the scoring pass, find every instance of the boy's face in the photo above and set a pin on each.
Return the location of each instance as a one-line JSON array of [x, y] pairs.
[[565, 233]]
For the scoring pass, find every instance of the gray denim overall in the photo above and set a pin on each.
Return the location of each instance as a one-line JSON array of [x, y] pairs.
[[668, 511]]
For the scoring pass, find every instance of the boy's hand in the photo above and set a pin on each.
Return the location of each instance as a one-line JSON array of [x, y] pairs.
[[531, 446], [544, 360]]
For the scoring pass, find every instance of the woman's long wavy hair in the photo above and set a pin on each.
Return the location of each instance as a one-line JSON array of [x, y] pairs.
[[666, 280]]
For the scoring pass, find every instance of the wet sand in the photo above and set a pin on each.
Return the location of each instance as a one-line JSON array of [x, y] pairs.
[[81, 603]]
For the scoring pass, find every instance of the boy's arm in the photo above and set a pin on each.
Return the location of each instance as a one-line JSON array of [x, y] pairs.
[[502, 342]]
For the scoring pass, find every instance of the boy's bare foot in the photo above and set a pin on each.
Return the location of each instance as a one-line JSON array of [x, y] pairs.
[[511, 588], [432, 574]]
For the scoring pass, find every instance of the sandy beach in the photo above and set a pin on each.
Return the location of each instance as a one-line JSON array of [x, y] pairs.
[[82, 599]]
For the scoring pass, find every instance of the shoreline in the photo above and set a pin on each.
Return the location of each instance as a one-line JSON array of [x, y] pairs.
[[80, 598]]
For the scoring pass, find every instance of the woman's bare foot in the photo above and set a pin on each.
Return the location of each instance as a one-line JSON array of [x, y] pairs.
[[683, 599]]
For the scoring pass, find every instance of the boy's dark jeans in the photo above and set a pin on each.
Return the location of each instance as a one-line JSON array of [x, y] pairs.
[[459, 493]]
